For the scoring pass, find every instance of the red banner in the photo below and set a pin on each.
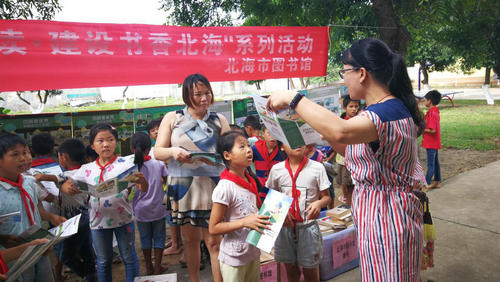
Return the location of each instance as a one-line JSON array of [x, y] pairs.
[[57, 55]]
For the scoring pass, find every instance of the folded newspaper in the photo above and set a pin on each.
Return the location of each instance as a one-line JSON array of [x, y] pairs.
[[276, 205], [111, 186], [13, 216], [32, 254], [286, 126]]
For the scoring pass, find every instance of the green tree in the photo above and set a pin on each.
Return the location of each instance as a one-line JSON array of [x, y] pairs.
[[42, 95], [198, 12], [28, 9]]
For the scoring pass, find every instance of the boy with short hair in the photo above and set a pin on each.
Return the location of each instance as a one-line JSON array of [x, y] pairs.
[[251, 127], [152, 128], [266, 153], [431, 139], [18, 193], [343, 178], [299, 242]]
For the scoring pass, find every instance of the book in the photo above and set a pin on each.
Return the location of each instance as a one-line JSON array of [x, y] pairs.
[[331, 222], [67, 229], [286, 126], [111, 186], [338, 212], [13, 216], [32, 254], [276, 205], [208, 158], [170, 277]]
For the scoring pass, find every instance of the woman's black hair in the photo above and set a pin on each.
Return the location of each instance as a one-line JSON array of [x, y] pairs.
[[140, 143], [96, 128], [188, 88], [389, 69], [8, 141], [226, 142]]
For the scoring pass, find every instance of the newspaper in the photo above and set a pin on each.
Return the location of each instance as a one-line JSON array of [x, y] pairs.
[[208, 158], [33, 253], [276, 205], [286, 126], [111, 186]]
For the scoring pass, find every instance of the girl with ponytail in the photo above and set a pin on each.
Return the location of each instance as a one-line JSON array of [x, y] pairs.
[[380, 148], [148, 208]]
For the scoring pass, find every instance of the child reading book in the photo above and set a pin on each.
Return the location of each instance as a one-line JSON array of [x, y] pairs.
[[234, 211], [111, 214], [18, 193], [299, 242], [148, 206]]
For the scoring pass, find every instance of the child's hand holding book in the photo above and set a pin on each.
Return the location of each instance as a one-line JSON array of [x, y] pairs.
[[256, 222]]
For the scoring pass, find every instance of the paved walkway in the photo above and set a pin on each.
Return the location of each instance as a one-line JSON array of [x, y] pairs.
[[466, 216]]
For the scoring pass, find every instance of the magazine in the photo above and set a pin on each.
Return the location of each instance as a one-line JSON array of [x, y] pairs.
[[286, 126], [111, 186], [208, 158], [32, 254], [276, 205]]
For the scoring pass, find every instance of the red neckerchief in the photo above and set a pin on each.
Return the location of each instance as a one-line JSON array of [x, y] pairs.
[[250, 186], [147, 158], [295, 192], [346, 117], [3, 266], [103, 167], [262, 148], [41, 161], [24, 196]]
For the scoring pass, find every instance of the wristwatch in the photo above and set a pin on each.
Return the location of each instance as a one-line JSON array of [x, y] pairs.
[[296, 100]]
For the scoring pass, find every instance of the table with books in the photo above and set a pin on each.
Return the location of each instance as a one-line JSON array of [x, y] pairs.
[[340, 250]]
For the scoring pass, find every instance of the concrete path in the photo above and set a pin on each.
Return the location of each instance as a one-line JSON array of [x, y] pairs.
[[466, 216]]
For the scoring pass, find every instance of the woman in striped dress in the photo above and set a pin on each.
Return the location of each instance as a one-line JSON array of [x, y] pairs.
[[380, 147]]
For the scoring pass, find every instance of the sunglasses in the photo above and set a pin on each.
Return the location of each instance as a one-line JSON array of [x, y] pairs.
[[342, 71]]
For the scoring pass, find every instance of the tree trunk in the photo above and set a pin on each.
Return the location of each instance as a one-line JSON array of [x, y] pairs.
[[302, 83], [292, 85], [21, 97], [392, 33], [487, 74], [257, 84], [425, 73]]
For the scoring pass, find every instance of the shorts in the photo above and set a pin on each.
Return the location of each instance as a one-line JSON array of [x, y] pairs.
[[152, 234], [344, 176], [249, 272], [302, 244]]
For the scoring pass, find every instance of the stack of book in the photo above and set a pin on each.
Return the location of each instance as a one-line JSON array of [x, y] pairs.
[[335, 220]]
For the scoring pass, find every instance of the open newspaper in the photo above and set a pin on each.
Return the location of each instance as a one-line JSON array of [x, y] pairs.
[[111, 186], [170, 277], [286, 126], [276, 205], [32, 254]]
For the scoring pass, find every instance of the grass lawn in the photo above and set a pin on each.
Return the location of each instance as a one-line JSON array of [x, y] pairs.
[[471, 124]]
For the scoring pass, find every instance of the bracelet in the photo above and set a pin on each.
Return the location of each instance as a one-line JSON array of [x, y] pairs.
[[296, 100]]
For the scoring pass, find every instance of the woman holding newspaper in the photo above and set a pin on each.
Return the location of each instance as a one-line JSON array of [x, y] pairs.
[[191, 182], [380, 147]]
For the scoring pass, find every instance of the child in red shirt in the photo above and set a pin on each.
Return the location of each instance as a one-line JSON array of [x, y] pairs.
[[431, 139]]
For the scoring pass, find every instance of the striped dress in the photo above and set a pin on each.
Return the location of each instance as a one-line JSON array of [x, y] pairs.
[[387, 216]]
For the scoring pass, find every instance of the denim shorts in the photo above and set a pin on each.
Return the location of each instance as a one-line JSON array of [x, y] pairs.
[[302, 244], [152, 234]]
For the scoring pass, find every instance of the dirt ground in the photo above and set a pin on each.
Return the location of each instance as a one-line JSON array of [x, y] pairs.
[[452, 162]]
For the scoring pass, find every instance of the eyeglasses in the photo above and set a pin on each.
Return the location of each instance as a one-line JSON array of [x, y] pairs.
[[342, 71]]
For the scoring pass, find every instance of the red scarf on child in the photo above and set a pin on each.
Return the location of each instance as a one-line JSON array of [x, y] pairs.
[[103, 167], [147, 158], [24, 196], [295, 193], [268, 158], [3, 266], [250, 186], [41, 161]]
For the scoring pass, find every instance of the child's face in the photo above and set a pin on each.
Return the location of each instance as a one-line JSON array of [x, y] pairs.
[[427, 103], [297, 153], [269, 138], [14, 161], [29, 159], [352, 109], [104, 144], [241, 154], [153, 133], [62, 160]]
